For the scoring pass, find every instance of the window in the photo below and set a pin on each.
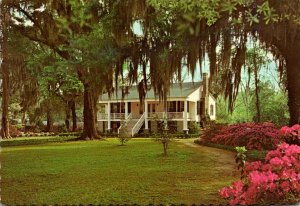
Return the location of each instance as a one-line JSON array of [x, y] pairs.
[[181, 106], [178, 106], [129, 107], [172, 106], [122, 107], [211, 110], [114, 108]]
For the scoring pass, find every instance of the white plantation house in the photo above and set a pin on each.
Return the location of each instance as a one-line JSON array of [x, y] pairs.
[[188, 102]]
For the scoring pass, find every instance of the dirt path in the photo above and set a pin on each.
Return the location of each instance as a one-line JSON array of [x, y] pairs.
[[224, 156]]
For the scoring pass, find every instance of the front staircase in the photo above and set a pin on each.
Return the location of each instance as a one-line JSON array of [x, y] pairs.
[[131, 126]]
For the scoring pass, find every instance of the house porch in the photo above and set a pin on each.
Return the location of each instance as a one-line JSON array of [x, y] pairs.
[[112, 114]]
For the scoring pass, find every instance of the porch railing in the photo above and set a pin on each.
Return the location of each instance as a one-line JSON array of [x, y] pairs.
[[151, 115], [117, 115], [170, 115], [113, 116], [138, 125], [176, 115], [156, 115]]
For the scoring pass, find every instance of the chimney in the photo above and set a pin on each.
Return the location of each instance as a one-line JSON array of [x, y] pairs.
[[205, 94], [205, 82]]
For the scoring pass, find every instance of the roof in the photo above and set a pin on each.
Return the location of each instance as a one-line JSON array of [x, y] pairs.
[[175, 92]]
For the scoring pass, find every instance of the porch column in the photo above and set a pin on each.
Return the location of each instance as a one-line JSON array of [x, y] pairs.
[[108, 117], [126, 110], [146, 115], [195, 116], [185, 114]]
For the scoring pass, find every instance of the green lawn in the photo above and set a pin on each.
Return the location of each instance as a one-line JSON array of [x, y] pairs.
[[95, 172]]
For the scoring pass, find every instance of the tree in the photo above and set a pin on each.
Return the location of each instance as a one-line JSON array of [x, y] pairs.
[[255, 59], [210, 25], [11, 64], [60, 25], [273, 106], [56, 80], [174, 33], [4, 70]]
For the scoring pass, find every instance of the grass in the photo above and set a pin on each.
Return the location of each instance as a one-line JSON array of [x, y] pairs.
[[102, 172]]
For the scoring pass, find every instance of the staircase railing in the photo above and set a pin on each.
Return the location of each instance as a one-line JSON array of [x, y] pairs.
[[126, 120], [138, 125]]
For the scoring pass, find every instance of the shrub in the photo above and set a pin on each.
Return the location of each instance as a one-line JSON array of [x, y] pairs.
[[209, 132], [59, 128], [262, 136], [14, 132], [69, 134], [291, 134], [194, 128], [274, 181], [35, 141], [240, 159], [123, 135], [164, 138]]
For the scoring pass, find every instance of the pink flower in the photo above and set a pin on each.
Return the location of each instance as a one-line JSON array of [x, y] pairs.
[[272, 187], [225, 193], [252, 166], [261, 178], [285, 186], [251, 195], [273, 153], [271, 176], [296, 127], [288, 174], [292, 150], [276, 162], [285, 131], [238, 186], [277, 179], [266, 167], [283, 146], [286, 161], [297, 186]]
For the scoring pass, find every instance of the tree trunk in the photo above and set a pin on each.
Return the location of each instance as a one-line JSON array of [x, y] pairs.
[[5, 100], [74, 116], [257, 103], [5, 73], [49, 127], [67, 121], [89, 124], [23, 120], [293, 86], [165, 145]]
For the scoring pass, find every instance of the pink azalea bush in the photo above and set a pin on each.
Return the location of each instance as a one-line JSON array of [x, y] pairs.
[[258, 136], [291, 134], [274, 181]]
